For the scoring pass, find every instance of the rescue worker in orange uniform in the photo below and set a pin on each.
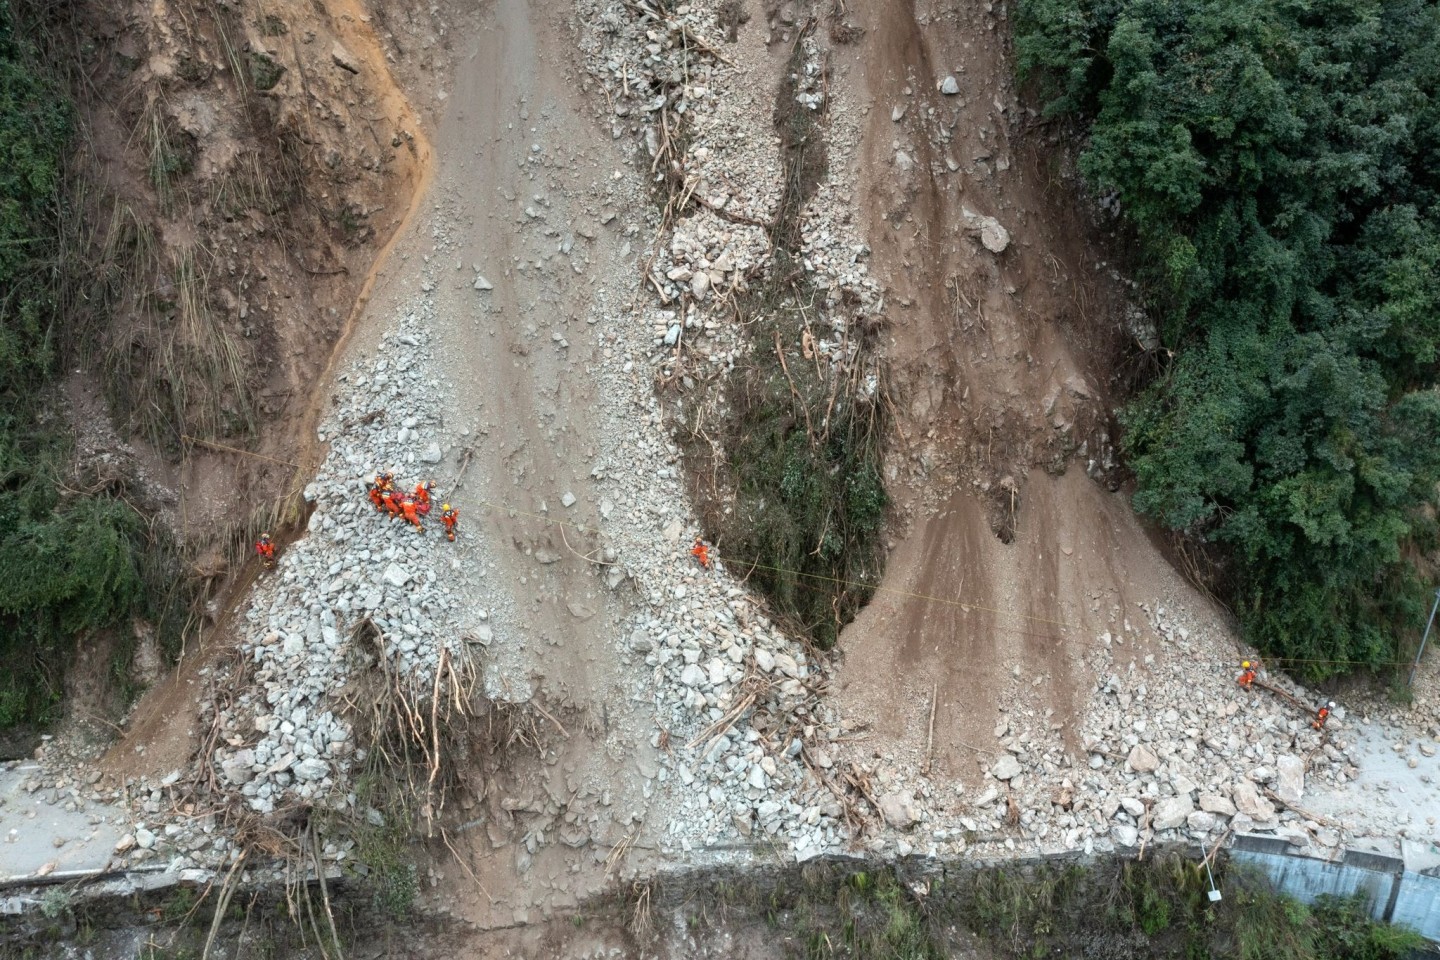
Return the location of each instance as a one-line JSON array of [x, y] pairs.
[[1248, 676], [449, 516], [1322, 715], [377, 497], [385, 481], [701, 553], [265, 549], [422, 497], [411, 511], [392, 503]]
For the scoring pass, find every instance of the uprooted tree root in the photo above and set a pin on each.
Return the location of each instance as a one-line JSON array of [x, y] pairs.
[[417, 738]]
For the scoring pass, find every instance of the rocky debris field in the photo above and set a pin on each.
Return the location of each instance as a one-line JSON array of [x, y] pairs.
[[731, 743]]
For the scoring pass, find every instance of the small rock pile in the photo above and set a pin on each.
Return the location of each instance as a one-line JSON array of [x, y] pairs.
[[281, 740]]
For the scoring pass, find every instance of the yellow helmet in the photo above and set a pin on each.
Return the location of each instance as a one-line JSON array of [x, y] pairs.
[[1245, 664], [444, 506]]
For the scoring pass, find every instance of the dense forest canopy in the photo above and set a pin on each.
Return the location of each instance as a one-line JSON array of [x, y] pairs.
[[1277, 163]]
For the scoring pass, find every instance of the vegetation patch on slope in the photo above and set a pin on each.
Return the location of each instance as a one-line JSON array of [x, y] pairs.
[[1276, 165], [75, 556], [1158, 908], [805, 501]]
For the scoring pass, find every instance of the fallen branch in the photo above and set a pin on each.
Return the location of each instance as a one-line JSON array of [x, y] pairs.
[[1308, 815]]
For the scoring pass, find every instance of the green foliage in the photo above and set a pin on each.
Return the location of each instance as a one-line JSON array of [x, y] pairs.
[[803, 450], [1276, 162], [1157, 908], [69, 564], [1160, 908]]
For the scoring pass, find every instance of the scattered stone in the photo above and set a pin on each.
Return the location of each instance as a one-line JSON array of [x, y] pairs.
[[1141, 760], [1006, 768], [311, 768], [1216, 804], [898, 809], [1172, 812], [1290, 775], [482, 284], [344, 59], [1249, 802], [950, 86]]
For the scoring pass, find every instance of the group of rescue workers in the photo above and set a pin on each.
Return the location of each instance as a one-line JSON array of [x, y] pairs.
[[1248, 673], [412, 506], [387, 498]]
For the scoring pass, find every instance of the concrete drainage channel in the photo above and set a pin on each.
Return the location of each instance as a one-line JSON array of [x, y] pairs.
[[1403, 889]]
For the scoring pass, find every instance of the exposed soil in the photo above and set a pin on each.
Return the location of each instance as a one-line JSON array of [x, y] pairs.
[[364, 157], [1010, 560]]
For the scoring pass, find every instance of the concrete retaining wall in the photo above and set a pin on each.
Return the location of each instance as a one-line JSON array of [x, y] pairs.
[[1404, 889]]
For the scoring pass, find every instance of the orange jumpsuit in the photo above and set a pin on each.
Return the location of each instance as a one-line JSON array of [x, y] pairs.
[[411, 511], [266, 550], [392, 503], [422, 498], [701, 552], [1246, 678], [377, 497], [449, 518], [1321, 716]]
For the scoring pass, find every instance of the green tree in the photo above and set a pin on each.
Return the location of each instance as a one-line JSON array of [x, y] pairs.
[[1276, 163]]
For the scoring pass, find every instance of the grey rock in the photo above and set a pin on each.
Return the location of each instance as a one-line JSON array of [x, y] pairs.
[[432, 454], [567, 499], [395, 575], [1172, 812], [692, 675], [482, 284], [1249, 802], [144, 839], [1125, 835], [344, 59], [717, 671], [764, 659], [950, 86], [1132, 806], [1216, 804], [672, 335], [898, 809], [311, 768], [1141, 760], [1201, 822], [237, 767], [1290, 774], [1006, 768]]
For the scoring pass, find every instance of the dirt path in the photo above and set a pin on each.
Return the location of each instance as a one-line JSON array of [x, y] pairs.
[[514, 202], [988, 357]]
